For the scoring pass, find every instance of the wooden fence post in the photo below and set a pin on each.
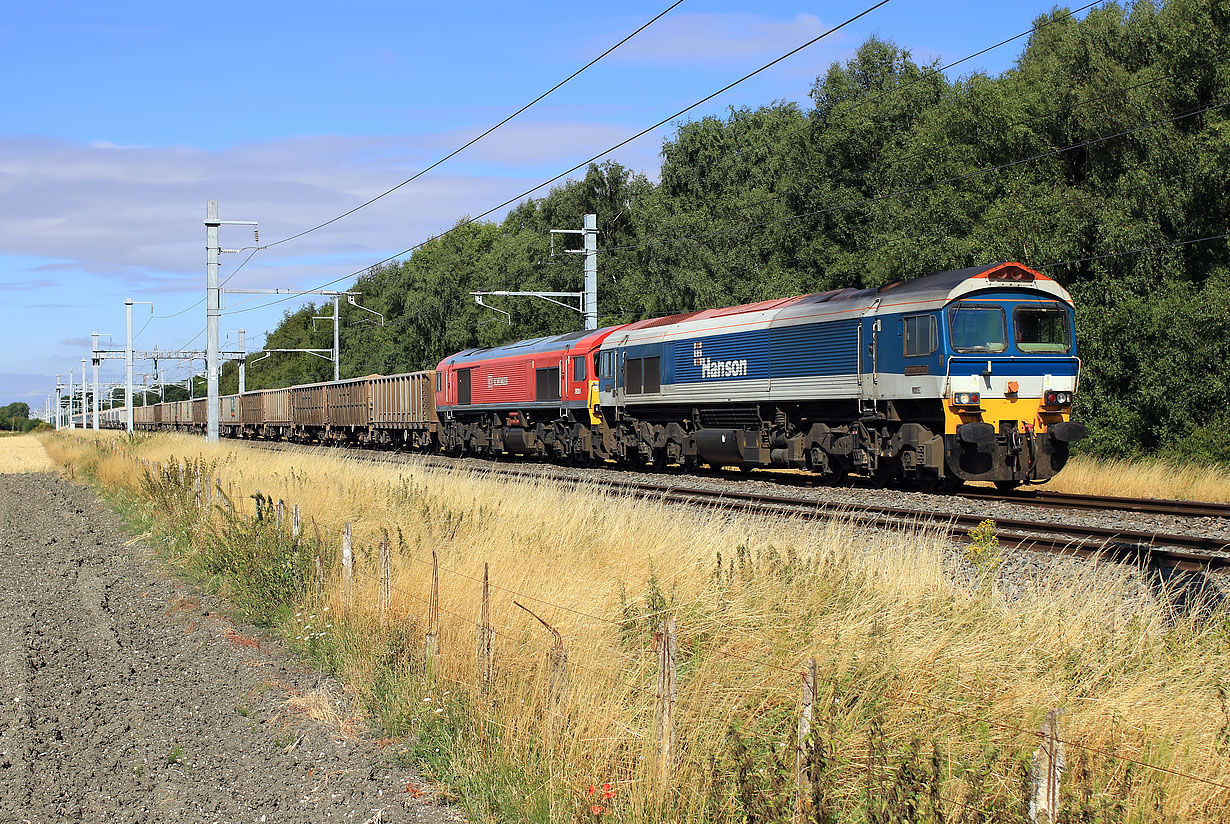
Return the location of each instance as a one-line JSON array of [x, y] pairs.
[[557, 682], [485, 636], [280, 509], [209, 493], [386, 579], [347, 564], [431, 639], [296, 525], [196, 486], [1048, 767], [666, 698], [803, 751]]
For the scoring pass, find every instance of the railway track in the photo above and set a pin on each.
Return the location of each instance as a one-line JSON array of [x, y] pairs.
[[1181, 552], [1042, 499], [1065, 500]]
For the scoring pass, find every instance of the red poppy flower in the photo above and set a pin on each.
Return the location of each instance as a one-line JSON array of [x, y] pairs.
[[591, 789], [596, 810]]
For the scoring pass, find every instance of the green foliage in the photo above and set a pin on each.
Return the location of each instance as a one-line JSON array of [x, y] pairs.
[[16, 418], [983, 550], [886, 169]]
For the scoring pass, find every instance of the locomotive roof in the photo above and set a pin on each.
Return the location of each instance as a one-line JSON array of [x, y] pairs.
[[551, 343], [941, 286]]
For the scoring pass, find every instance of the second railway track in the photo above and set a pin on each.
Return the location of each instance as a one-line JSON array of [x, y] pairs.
[[1177, 551]]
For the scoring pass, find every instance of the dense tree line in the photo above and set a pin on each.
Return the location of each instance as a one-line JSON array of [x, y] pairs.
[[1089, 159], [16, 418]]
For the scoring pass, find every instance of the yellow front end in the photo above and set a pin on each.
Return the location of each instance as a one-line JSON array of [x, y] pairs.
[[1026, 412]]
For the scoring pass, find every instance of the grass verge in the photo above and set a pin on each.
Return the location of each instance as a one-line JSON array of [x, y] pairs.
[[1142, 478], [928, 692]]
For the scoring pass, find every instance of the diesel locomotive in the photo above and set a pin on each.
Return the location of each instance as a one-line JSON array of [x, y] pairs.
[[959, 376]]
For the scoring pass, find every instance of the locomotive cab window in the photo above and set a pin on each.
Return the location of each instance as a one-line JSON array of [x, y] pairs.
[[921, 335], [1043, 329], [578, 368], [977, 329]]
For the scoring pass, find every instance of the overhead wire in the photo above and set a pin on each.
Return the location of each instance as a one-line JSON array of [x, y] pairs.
[[491, 129], [923, 187], [930, 72], [566, 172], [893, 162]]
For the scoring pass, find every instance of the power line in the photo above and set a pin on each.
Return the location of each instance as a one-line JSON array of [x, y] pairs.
[[933, 72], [924, 187], [1137, 251], [1125, 253], [601, 154], [1054, 112], [470, 143], [202, 300]]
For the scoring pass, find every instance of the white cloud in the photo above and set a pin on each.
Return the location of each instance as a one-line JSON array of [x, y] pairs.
[[87, 225], [133, 215]]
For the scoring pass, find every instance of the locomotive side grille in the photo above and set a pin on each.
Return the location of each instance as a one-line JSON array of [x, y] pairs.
[[731, 416]]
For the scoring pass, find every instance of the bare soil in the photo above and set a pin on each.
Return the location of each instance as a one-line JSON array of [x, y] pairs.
[[126, 696]]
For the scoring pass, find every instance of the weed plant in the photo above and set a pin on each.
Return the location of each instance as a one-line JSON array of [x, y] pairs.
[[929, 690]]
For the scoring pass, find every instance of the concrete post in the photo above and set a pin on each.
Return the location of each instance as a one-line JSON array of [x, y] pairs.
[[243, 364], [212, 311], [591, 272], [337, 346], [94, 363], [128, 366], [70, 400], [59, 403]]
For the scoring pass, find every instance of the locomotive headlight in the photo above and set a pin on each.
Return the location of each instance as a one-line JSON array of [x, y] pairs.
[[1055, 398], [966, 398]]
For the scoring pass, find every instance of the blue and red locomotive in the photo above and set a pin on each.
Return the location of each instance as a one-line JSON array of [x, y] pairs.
[[958, 376]]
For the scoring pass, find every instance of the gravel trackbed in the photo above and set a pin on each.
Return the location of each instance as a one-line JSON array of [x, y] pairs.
[[125, 696]]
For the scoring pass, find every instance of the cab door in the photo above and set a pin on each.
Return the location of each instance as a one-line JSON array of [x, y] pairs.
[[869, 331]]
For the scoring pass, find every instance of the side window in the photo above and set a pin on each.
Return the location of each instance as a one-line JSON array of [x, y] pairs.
[[578, 368], [921, 335], [651, 376], [437, 381], [547, 384], [596, 364], [632, 380]]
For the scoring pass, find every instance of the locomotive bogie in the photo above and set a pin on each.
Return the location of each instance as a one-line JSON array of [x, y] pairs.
[[959, 376]]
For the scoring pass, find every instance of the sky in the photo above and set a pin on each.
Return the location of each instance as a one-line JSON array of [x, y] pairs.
[[121, 119]]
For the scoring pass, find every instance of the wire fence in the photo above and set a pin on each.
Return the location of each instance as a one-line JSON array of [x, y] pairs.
[[645, 674]]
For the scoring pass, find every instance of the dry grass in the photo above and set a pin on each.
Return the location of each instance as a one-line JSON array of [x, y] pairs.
[[1142, 478], [905, 655], [22, 454]]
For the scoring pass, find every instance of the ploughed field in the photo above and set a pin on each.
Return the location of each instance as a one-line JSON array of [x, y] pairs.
[[124, 696]]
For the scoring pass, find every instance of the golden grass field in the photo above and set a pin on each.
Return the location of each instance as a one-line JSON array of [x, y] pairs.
[[23, 453], [1142, 478], [928, 693]]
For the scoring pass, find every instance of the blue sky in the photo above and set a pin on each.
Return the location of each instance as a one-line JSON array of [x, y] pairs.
[[121, 119]]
